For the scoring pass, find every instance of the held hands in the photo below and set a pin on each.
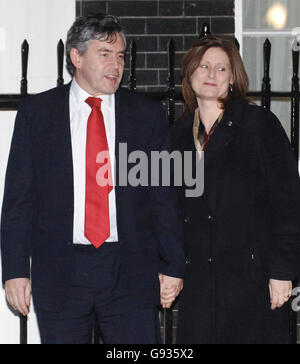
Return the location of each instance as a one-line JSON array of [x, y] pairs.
[[169, 289], [280, 293], [18, 294]]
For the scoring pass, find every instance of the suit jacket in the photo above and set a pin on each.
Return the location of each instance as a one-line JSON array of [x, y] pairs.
[[244, 230], [37, 215]]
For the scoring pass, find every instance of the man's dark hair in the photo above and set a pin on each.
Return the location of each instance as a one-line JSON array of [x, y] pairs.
[[93, 27]]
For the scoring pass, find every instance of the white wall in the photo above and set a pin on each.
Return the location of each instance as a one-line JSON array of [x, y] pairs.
[[42, 23]]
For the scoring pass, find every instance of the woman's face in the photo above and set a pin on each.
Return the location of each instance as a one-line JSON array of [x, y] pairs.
[[211, 79]]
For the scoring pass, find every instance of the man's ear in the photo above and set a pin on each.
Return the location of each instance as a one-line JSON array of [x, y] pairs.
[[76, 58]]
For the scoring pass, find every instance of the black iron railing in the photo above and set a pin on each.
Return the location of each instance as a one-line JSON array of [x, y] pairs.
[[170, 97]]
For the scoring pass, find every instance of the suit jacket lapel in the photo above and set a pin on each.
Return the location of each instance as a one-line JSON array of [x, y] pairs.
[[220, 139], [62, 135], [118, 140], [226, 131], [118, 120]]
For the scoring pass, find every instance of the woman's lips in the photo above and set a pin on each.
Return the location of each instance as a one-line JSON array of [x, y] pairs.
[[210, 84]]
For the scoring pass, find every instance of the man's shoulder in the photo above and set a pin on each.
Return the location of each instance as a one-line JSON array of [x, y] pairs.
[[137, 98], [45, 97]]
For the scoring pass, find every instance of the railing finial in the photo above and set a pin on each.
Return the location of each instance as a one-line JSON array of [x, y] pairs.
[[205, 30], [24, 55], [171, 81], [60, 62], [266, 83], [132, 76]]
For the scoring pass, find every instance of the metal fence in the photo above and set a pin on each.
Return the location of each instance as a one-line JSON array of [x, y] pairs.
[[170, 97]]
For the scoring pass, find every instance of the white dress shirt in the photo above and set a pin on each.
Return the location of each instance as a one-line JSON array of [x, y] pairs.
[[79, 114]]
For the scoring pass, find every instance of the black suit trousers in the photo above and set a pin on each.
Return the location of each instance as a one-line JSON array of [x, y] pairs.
[[97, 292]]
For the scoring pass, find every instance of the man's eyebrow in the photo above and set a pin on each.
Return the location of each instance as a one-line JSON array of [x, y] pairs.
[[110, 51]]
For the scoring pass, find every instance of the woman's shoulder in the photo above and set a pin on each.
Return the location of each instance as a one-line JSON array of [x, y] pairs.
[[260, 117], [264, 123], [255, 120], [250, 109], [257, 110]]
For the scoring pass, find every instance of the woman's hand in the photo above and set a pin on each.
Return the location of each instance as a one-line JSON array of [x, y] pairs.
[[170, 288], [280, 293]]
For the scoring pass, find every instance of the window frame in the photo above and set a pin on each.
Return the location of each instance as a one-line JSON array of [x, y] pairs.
[[240, 33]]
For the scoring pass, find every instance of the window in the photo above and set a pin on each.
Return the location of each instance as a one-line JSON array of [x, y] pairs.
[[277, 20]]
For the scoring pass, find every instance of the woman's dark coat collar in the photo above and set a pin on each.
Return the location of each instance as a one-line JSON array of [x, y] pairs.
[[225, 133]]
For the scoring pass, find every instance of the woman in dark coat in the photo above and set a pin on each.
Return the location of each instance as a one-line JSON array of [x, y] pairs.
[[243, 234]]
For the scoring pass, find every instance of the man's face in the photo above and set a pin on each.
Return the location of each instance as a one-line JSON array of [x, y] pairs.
[[99, 70]]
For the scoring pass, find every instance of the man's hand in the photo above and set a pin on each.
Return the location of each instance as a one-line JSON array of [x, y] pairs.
[[169, 289], [18, 294], [280, 293]]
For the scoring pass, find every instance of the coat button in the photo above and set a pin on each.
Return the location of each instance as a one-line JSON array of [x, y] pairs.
[[210, 217], [187, 262], [210, 260], [187, 219], [230, 123]]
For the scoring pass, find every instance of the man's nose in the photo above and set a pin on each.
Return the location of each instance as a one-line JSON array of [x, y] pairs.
[[116, 62]]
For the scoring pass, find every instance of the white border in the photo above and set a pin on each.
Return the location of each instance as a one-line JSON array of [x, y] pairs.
[[239, 23], [259, 33]]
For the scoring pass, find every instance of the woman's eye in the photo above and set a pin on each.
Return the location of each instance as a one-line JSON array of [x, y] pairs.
[[203, 66], [222, 69]]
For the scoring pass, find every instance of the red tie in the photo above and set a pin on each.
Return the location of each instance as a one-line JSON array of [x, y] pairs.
[[97, 225]]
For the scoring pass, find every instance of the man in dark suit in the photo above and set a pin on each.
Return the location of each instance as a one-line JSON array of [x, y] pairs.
[[98, 249]]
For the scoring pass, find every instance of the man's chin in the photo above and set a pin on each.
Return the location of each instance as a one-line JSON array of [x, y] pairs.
[[112, 89]]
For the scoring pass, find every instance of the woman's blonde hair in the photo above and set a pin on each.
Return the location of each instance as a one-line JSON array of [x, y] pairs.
[[191, 62]]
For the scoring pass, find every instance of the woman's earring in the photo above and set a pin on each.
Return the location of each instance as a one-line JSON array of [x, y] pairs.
[[230, 87]]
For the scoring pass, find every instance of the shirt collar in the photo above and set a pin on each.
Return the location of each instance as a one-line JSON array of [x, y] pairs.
[[81, 95]]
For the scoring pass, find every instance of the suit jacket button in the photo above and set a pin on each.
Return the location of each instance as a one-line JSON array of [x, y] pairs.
[[230, 123], [210, 260], [187, 219], [210, 217], [187, 262]]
